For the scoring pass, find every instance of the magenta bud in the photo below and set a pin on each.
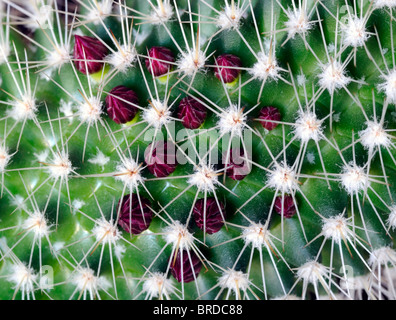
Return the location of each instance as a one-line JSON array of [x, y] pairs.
[[269, 113], [191, 266], [117, 106], [289, 207], [135, 213], [161, 158], [191, 112], [225, 67], [237, 167], [159, 64], [214, 217], [89, 54]]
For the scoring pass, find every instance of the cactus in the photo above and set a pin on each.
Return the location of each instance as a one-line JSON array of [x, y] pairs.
[[203, 149]]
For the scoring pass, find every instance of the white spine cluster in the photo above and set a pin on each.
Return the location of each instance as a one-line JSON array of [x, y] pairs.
[[99, 11], [37, 223], [60, 167], [178, 234], [355, 34], [66, 107], [4, 51], [191, 62], [392, 218], [162, 14], [119, 251], [266, 67], [5, 158], [128, 172], [374, 136], [382, 256], [256, 234], [157, 284], [312, 272], [157, 114], [301, 79], [335, 228], [385, 3], [353, 178], [232, 120], [234, 280], [282, 178], [123, 59], [56, 58], [106, 232], [22, 109], [298, 22], [40, 14], [230, 18], [358, 283], [77, 204], [18, 201], [100, 159], [23, 278], [90, 110], [333, 76], [86, 281], [205, 178], [307, 127], [389, 86]]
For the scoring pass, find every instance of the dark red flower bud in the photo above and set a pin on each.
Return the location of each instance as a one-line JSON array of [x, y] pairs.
[[91, 50], [191, 112], [117, 107], [214, 217], [289, 207], [237, 167], [162, 161], [135, 213], [227, 74], [158, 66], [269, 113], [189, 273]]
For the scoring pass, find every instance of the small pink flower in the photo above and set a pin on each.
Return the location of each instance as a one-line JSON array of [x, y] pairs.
[[289, 208], [191, 112], [269, 113], [88, 54], [119, 110], [135, 213], [214, 217], [162, 161], [158, 64], [188, 274], [237, 166], [227, 67]]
